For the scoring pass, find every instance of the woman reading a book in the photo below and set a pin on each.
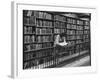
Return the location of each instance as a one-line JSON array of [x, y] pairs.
[[60, 40], [60, 45]]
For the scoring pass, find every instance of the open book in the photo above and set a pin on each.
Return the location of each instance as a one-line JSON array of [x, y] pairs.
[[63, 44]]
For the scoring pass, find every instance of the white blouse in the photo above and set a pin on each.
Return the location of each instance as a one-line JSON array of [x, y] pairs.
[[57, 39]]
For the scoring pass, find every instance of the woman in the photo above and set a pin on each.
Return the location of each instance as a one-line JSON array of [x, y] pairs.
[[60, 40], [60, 45]]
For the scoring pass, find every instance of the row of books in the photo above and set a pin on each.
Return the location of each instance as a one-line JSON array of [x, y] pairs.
[[43, 23], [29, 20], [71, 32], [44, 38], [38, 54], [59, 18], [71, 26], [59, 24], [79, 27], [80, 22], [29, 30], [38, 14], [43, 15], [79, 37], [86, 31], [82, 41], [37, 46], [86, 40], [59, 30], [79, 41], [74, 37], [70, 20], [43, 31], [86, 23], [33, 38], [71, 37], [79, 32], [86, 36], [29, 39], [86, 27], [46, 15]]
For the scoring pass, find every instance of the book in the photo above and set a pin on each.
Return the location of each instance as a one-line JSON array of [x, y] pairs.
[[59, 18], [79, 41], [79, 32], [71, 37], [86, 22], [59, 24], [43, 31], [41, 14], [59, 30], [30, 20], [86, 36], [86, 27], [25, 12], [80, 22], [29, 30], [79, 37], [71, 32], [70, 20], [71, 26], [86, 31], [44, 38], [29, 39], [29, 13], [43, 23], [86, 40], [79, 27]]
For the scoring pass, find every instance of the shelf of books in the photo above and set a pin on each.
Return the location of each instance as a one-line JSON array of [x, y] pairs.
[[39, 31]]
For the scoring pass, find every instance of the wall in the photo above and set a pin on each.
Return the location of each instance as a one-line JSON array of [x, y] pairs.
[[5, 40]]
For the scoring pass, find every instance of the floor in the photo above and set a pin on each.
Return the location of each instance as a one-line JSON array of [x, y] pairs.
[[82, 61]]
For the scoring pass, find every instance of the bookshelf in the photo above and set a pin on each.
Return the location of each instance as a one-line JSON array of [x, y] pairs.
[[39, 31]]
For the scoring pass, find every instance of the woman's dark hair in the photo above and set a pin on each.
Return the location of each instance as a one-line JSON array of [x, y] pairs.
[[63, 35]]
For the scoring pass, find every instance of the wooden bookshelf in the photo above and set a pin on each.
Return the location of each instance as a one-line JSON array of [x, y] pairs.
[[39, 31]]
